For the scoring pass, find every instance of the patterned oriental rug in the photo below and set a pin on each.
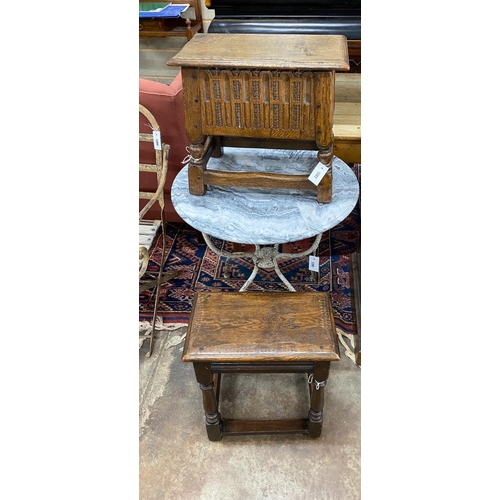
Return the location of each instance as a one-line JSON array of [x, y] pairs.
[[203, 270]]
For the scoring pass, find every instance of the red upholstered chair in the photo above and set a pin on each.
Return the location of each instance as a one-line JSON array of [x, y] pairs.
[[164, 111], [166, 104]]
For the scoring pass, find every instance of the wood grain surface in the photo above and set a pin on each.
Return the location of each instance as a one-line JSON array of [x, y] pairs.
[[327, 52], [261, 326]]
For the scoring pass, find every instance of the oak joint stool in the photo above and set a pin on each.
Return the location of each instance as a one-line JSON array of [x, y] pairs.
[[261, 332], [265, 91]]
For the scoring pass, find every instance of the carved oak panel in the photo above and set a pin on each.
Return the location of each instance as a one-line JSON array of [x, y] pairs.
[[250, 103]]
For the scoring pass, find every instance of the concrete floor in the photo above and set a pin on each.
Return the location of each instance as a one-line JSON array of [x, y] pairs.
[[177, 461]]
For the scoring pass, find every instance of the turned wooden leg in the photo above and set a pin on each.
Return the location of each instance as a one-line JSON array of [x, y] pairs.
[[218, 148], [205, 378], [320, 375], [189, 32], [324, 90], [325, 156], [196, 169], [199, 237]]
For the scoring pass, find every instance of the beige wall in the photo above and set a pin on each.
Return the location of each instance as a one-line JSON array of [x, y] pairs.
[[155, 52], [207, 15]]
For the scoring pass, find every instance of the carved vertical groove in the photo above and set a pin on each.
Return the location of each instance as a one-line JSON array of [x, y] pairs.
[[265, 87], [226, 93], [285, 97], [276, 91], [237, 108], [206, 96], [216, 87], [218, 114], [256, 90], [236, 89], [276, 116], [256, 115], [296, 91], [295, 117]]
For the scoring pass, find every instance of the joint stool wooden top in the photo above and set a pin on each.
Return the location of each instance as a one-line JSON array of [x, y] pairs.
[[261, 327], [263, 332]]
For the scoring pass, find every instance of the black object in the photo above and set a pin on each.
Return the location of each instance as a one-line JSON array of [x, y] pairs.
[[325, 17]]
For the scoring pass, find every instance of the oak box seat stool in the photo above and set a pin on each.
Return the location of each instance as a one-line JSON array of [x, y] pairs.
[[261, 332]]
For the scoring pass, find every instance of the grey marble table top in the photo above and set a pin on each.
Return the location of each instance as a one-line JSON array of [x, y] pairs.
[[263, 216]]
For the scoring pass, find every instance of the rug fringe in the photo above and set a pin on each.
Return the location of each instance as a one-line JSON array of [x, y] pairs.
[[145, 328], [348, 352]]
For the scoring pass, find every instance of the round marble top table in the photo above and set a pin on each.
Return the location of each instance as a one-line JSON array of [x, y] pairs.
[[262, 216]]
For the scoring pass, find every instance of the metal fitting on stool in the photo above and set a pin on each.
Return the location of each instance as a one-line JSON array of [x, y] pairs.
[[316, 383]]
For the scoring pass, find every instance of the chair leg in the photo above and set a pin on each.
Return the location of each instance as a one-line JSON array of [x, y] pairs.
[[199, 237], [157, 288]]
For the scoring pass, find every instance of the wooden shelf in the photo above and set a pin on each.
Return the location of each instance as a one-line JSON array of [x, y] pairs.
[[347, 117]]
